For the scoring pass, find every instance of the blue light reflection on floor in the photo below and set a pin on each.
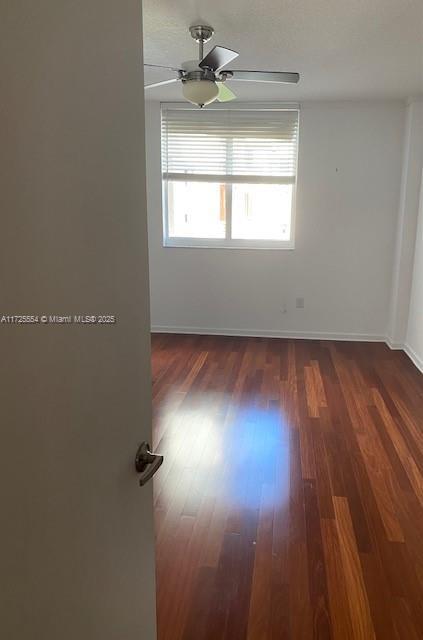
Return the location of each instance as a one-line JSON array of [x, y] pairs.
[[239, 456], [258, 443]]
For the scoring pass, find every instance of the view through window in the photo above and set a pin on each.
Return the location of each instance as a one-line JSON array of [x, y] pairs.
[[229, 176]]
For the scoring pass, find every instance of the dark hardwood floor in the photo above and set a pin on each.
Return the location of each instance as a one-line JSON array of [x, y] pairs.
[[290, 502]]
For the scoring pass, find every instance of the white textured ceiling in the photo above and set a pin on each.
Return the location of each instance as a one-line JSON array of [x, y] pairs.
[[343, 49]]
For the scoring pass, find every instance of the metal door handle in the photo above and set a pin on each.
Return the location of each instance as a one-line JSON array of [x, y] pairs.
[[146, 462]]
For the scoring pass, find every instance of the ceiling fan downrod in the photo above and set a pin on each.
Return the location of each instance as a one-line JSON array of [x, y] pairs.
[[201, 33]]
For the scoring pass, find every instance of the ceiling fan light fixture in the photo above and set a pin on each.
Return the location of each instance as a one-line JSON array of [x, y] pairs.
[[200, 92]]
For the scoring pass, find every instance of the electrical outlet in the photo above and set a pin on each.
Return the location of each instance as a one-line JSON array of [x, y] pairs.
[[299, 303]]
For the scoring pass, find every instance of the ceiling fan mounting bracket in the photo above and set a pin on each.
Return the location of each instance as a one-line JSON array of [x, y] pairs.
[[201, 33]]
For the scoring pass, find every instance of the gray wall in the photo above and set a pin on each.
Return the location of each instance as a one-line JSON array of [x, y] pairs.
[[414, 342], [76, 534]]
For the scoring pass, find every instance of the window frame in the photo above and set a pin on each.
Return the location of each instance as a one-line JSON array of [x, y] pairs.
[[228, 242]]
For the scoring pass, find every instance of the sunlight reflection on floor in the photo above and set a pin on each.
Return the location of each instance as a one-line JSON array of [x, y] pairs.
[[239, 456]]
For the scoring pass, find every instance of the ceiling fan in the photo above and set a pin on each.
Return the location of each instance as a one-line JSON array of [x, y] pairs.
[[203, 81]]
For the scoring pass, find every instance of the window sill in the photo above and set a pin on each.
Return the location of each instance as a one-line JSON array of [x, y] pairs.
[[247, 245]]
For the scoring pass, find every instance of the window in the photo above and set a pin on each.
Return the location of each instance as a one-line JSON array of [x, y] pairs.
[[229, 176]]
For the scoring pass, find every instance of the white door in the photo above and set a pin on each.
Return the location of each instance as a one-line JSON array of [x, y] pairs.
[[76, 530]]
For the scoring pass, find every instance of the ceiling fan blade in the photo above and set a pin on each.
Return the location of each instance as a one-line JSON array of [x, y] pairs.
[[159, 84], [264, 76], [160, 66], [217, 58], [225, 94]]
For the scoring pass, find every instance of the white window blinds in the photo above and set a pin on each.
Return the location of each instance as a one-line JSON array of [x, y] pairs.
[[230, 145]]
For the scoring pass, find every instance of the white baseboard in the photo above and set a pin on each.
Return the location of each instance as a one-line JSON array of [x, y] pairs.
[[417, 360], [250, 333], [395, 346], [400, 346]]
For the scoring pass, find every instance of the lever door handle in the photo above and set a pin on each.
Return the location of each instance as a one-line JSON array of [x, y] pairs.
[[146, 462]]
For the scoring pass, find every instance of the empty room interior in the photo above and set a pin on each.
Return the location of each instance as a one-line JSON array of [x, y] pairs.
[[211, 320], [285, 231]]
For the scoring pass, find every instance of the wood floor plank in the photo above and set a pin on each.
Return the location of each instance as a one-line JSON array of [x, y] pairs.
[[322, 626], [337, 583], [361, 620], [259, 615]]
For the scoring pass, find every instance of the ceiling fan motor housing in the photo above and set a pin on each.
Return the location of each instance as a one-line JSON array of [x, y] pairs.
[[193, 72]]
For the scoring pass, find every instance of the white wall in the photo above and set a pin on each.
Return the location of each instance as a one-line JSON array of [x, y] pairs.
[[414, 341], [405, 328], [350, 160], [407, 224]]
